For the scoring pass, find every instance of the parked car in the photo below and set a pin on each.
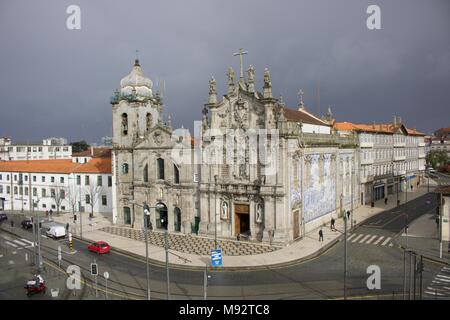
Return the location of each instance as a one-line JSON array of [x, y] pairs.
[[27, 223], [99, 247], [56, 232], [3, 217]]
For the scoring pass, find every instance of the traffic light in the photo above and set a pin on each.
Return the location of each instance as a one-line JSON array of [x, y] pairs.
[[94, 269]]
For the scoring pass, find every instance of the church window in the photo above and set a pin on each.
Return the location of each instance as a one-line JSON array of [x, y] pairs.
[[160, 167], [125, 168], [146, 173], [149, 120], [176, 174], [124, 124]]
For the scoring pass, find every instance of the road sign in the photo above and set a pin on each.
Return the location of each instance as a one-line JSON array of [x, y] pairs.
[[106, 275], [216, 258], [94, 269]]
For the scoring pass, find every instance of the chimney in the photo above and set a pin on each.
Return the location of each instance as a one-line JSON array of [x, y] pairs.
[[395, 120], [92, 152]]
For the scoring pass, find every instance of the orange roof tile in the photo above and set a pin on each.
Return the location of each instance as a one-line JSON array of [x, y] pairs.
[[377, 128], [63, 166], [96, 165]]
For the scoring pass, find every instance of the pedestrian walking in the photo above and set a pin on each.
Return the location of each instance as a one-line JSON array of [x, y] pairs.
[[411, 188], [385, 201], [67, 227], [46, 213], [238, 238], [12, 223], [348, 214], [332, 224], [320, 235]]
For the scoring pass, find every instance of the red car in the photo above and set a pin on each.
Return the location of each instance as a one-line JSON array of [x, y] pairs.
[[99, 247]]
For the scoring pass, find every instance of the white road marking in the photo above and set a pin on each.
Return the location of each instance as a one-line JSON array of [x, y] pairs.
[[356, 239], [348, 239], [365, 238], [379, 239], [1, 256], [434, 293], [11, 262], [14, 252], [386, 241], [391, 244], [27, 241], [440, 274], [11, 244], [371, 239], [446, 280], [20, 243]]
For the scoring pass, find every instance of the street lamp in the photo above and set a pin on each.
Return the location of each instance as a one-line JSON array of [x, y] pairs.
[[146, 208]]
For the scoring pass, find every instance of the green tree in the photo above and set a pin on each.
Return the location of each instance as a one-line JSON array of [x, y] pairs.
[[437, 158], [79, 146]]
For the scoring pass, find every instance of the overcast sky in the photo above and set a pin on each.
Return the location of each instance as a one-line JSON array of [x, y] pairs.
[[58, 82]]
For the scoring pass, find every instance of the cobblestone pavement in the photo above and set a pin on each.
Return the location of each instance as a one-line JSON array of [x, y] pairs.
[[192, 244]]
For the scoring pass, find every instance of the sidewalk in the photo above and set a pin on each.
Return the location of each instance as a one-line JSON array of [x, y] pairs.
[[300, 250]]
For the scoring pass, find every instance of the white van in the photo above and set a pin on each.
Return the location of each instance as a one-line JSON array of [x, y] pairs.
[[56, 232]]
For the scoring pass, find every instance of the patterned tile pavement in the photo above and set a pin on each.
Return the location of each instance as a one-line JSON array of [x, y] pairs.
[[192, 244]]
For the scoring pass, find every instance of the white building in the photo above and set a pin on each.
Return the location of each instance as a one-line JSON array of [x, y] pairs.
[[392, 158], [59, 185], [440, 141], [49, 149]]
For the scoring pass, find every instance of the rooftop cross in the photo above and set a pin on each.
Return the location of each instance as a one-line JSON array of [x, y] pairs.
[[240, 54]]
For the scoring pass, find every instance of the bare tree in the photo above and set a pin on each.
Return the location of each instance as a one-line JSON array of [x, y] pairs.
[[58, 193], [72, 197], [93, 192]]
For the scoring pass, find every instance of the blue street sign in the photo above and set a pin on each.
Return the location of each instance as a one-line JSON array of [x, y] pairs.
[[216, 258]]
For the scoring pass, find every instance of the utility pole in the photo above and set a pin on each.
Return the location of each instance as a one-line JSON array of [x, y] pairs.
[[39, 243], [34, 235], [415, 273], [166, 242], [420, 277], [404, 260], [147, 213], [440, 225], [345, 249], [205, 281]]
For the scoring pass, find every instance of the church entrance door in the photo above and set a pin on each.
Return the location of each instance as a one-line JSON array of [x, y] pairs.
[[242, 219]]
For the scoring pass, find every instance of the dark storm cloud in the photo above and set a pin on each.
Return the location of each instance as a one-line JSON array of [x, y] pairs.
[[57, 82]]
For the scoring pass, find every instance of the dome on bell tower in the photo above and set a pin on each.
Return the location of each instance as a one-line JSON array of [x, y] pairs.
[[136, 83]]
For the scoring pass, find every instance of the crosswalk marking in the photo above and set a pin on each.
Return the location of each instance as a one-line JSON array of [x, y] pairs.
[[348, 239], [27, 241], [371, 239], [379, 240], [386, 241], [364, 238], [11, 244], [440, 285], [357, 238], [434, 293], [20, 243]]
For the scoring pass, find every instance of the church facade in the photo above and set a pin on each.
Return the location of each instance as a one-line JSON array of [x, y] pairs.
[[256, 169]]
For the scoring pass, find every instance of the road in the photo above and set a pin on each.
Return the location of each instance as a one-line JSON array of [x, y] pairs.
[[372, 243]]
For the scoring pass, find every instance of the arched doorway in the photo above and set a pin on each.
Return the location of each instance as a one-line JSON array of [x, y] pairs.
[[161, 216], [177, 219]]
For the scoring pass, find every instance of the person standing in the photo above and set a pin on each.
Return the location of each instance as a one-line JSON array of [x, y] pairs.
[[348, 215], [332, 224], [385, 201], [320, 235]]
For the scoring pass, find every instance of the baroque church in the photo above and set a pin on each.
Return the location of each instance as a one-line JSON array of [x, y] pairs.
[[257, 168]]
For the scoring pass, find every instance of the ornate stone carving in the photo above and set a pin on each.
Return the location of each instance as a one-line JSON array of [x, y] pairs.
[[241, 113], [157, 137]]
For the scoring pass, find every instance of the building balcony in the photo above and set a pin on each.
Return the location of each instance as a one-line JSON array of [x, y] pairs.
[[366, 161], [366, 144], [399, 144], [399, 158], [366, 179]]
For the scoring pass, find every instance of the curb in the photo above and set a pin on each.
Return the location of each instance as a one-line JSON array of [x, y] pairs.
[[162, 264]]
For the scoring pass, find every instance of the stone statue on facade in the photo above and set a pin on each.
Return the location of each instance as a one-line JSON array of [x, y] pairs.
[[224, 211], [259, 213]]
